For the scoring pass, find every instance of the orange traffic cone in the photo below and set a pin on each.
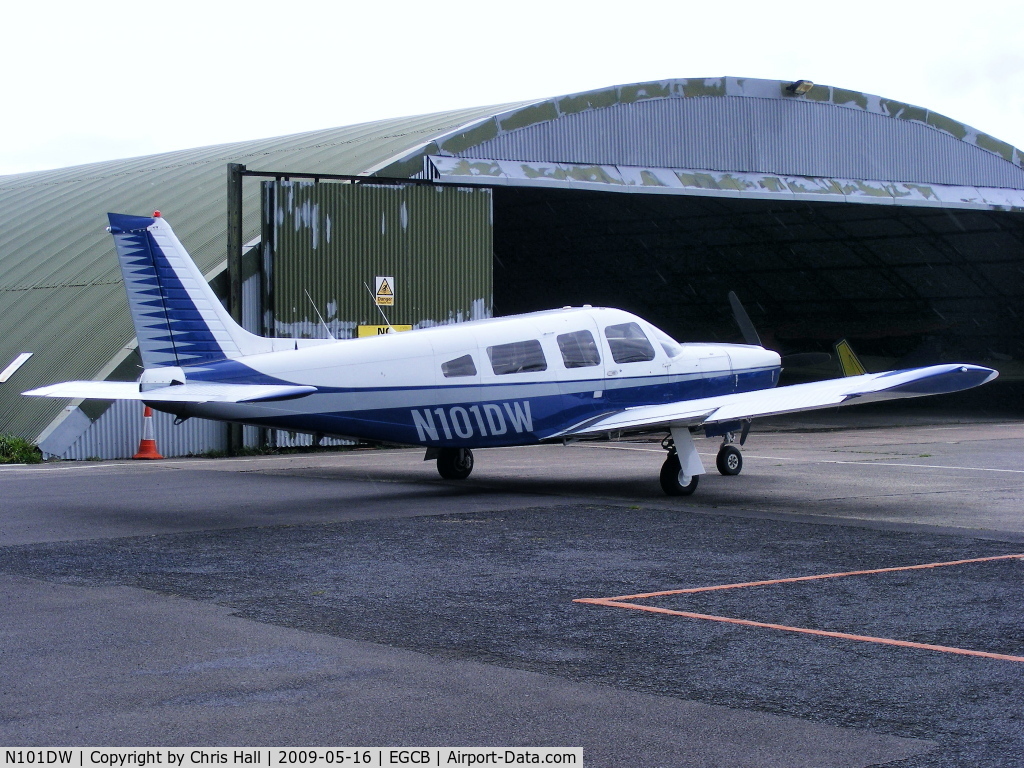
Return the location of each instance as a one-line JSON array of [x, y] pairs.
[[147, 445]]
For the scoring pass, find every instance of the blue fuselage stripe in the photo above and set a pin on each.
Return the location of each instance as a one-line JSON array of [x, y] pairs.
[[477, 415]]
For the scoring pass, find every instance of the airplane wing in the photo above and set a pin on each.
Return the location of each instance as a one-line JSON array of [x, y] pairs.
[[190, 392], [871, 387]]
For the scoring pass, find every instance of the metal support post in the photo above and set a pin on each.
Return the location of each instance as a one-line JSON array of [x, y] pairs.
[[235, 171], [234, 201]]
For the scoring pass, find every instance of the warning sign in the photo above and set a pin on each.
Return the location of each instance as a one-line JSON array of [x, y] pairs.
[[362, 331], [385, 293]]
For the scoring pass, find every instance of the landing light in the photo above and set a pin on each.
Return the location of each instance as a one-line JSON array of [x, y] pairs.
[[800, 87]]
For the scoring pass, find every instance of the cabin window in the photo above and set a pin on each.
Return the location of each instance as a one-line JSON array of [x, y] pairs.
[[517, 357], [628, 343], [579, 350], [460, 366]]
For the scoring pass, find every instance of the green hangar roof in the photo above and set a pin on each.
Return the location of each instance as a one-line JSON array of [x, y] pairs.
[[61, 296]]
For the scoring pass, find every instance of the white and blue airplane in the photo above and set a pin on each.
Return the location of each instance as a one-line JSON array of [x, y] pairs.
[[553, 376]]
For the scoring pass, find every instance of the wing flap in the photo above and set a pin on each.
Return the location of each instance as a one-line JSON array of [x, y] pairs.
[[190, 392], [871, 387]]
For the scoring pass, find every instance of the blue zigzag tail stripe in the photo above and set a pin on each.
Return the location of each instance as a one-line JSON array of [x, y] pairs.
[[170, 328]]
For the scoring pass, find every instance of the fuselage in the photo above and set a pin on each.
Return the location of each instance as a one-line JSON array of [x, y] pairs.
[[505, 381]]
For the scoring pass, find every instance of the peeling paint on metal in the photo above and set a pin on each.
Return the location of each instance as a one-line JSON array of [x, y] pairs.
[[487, 139], [730, 135], [631, 93], [536, 113], [711, 86], [924, 191], [590, 100], [697, 179], [478, 134], [594, 173], [477, 168], [903, 111], [994, 145], [773, 184], [948, 125], [621, 178], [820, 93], [650, 179], [402, 231], [813, 186], [842, 97], [868, 189]]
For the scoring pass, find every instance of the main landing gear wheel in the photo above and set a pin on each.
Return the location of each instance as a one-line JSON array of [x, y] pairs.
[[673, 481], [729, 460], [454, 463]]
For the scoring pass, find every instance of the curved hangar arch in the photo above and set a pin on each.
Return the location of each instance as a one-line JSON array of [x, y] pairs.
[[832, 212]]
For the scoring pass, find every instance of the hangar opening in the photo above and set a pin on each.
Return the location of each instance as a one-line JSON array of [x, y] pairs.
[[906, 285]]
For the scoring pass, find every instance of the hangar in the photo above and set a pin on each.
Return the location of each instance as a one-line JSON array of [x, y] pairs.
[[831, 212]]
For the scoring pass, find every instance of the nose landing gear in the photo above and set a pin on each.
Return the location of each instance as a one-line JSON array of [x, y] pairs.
[[729, 460]]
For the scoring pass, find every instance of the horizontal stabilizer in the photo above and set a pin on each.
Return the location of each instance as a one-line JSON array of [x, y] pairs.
[[197, 392], [871, 387]]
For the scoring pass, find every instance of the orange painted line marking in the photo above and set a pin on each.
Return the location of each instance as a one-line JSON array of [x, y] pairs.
[[794, 579], [620, 602], [802, 630]]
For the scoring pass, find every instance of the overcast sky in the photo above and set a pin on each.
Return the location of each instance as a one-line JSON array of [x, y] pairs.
[[102, 80]]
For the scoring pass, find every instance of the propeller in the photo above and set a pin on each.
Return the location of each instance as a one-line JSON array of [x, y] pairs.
[[796, 360], [743, 321]]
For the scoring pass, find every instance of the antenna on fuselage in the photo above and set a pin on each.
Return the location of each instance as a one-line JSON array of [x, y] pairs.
[[379, 308], [329, 334]]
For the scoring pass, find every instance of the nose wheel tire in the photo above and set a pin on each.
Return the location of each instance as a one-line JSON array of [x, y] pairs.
[[454, 463], [673, 482], [729, 460]]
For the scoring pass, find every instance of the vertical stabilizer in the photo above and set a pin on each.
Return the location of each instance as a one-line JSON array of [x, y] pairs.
[[848, 359], [178, 319]]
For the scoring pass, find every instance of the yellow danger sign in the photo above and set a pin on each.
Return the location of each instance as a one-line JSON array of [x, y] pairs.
[[362, 331], [385, 293]]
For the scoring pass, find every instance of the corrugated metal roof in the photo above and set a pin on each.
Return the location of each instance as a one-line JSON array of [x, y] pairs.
[[61, 295], [755, 135], [742, 125]]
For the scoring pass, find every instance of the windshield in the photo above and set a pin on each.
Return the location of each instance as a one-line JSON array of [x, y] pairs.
[[670, 345]]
